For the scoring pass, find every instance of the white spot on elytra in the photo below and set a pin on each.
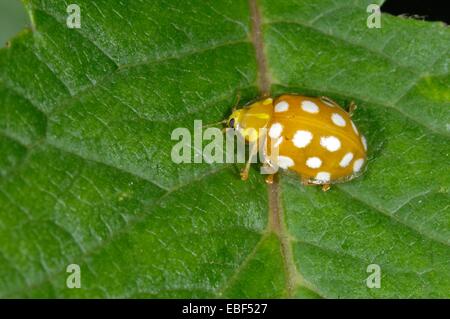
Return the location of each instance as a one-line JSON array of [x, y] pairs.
[[338, 119], [331, 143], [278, 142], [323, 177], [354, 128], [357, 165], [285, 161], [364, 142], [313, 162], [275, 130], [346, 159], [302, 138], [310, 107], [282, 106]]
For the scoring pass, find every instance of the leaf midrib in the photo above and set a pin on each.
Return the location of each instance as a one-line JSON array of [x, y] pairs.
[[276, 218]]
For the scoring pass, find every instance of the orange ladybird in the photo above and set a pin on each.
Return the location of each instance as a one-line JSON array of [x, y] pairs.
[[313, 137]]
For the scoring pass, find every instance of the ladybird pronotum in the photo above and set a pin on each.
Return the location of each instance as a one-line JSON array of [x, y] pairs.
[[314, 137]]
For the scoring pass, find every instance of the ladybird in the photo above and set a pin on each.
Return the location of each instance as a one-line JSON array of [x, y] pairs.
[[312, 136]]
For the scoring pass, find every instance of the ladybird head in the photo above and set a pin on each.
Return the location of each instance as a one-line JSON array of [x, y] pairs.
[[248, 120], [235, 119]]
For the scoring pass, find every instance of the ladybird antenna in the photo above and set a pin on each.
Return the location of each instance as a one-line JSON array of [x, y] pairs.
[[238, 98], [214, 124]]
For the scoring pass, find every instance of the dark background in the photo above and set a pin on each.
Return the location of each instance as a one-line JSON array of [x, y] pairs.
[[431, 10]]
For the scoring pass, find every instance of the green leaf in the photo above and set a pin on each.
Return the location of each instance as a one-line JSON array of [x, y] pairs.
[[86, 117]]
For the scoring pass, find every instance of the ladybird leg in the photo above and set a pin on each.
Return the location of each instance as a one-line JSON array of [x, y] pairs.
[[325, 187], [306, 182], [269, 178], [253, 151], [327, 100], [352, 107]]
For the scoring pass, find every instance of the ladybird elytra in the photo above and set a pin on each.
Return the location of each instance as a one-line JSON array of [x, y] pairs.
[[313, 136]]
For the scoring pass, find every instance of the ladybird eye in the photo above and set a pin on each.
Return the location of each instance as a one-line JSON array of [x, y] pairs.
[[231, 123]]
